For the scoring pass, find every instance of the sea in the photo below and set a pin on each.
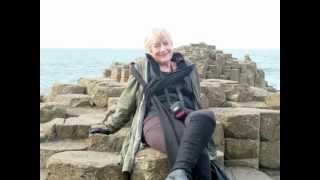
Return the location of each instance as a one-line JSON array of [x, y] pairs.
[[67, 65]]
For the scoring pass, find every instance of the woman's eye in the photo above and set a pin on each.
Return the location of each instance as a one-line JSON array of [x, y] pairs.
[[156, 45]]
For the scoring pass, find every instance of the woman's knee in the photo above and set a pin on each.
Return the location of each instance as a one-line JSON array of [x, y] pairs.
[[202, 115], [155, 140]]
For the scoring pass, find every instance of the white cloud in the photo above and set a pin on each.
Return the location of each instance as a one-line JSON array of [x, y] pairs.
[[124, 23]]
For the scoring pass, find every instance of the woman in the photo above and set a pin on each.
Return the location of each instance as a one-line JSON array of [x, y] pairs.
[[193, 127]]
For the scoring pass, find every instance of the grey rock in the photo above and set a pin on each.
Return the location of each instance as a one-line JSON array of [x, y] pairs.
[[107, 143], [77, 111], [74, 100], [86, 165], [107, 73], [48, 129], [58, 89], [237, 92], [259, 94], [273, 100], [270, 154], [244, 173], [260, 81], [204, 100], [51, 110], [78, 127], [251, 163], [42, 137], [218, 135], [235, 75], [271, 172], [241, 149], [241, 123], [47, 149], [150, 164], [214, 92], [102, 93], [43, 174], [270, 125], [92, 82], [250, 104]]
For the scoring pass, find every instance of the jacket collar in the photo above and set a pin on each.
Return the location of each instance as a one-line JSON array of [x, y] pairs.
[[176, 57]]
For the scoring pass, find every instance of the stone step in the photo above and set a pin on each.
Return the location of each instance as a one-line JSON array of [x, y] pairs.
[[89, 165], [58, 89], [42, 137], [48, 129], [212, 94], [242, 123], [274, 174], [102, 94], [232, 90], [43, 174], [249, 162], [73, 127], [241, 148], [269, 156], [252, 136], [218, 136], [245, 173], [269, 125], [107, 143], [259, 94], [91, 82], [78, 127], [74, 100], [47, 149], [250, 104], [52, 110], [273, 100], [77, 111], [237, 92], [249, 123], [150, 164], [221, 81], [42, 98]]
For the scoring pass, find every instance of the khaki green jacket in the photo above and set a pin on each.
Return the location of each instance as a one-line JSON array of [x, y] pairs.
[[131, 106]]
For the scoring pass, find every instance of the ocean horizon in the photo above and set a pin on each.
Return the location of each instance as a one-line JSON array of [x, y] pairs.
[[67, 65]]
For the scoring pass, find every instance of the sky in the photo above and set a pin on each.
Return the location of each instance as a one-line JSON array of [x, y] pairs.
[[238, 24]]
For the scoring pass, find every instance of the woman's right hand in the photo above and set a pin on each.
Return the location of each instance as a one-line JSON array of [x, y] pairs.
[[100, 129], [106, 131]]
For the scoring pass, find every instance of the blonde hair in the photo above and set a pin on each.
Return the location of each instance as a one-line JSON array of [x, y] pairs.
[[156, 34]]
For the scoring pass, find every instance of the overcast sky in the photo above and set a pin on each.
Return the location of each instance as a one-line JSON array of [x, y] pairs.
[[124, 23]]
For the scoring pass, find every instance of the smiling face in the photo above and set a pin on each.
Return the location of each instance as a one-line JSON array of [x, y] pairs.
[[161, 51], [159, 46]]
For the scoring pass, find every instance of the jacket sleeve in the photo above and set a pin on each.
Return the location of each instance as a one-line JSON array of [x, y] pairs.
[[197, 87], [126, 106]]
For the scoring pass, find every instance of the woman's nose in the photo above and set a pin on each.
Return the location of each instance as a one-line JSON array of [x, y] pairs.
[[162, 47]]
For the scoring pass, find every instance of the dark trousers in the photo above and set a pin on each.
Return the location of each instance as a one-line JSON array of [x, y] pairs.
[[194, 133]]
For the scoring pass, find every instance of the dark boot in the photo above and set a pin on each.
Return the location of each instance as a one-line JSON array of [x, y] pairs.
[[178, 174]]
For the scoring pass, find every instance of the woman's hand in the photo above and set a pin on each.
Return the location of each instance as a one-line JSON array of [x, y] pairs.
[[100, 130]]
